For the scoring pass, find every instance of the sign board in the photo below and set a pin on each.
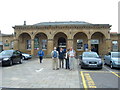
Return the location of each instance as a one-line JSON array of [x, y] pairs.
[[94, 41]]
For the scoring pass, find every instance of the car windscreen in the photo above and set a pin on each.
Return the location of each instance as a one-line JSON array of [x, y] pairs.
[[116, 55], [91, 55], [6, 53]]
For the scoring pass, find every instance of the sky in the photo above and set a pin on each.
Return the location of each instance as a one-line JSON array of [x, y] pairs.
[[15, 12]]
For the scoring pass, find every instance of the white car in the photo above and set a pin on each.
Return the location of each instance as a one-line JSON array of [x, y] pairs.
[[26, 56]]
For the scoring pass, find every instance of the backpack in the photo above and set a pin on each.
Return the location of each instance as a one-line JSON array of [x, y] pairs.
[[55, 54], [40, 52]]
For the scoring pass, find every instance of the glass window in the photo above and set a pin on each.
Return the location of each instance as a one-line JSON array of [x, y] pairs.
[[44, 44], [79, 44], [11, 45], [36, 43], [28, 44], [114, 45]]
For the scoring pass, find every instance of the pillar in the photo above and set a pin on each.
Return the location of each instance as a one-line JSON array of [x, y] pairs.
[[49, 46], [32, 46], [89, 44], [108, 45], [16, 44], [70, 43]]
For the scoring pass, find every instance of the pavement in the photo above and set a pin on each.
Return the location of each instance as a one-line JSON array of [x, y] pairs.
[[32, 74]]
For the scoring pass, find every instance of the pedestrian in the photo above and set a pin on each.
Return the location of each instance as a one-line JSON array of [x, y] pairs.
[[41, 54], [72, 55], [67, 59], [55, 56], [61, 58]]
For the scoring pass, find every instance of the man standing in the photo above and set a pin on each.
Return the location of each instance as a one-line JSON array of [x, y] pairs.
[[40, 54], [61, 58], [72, 58], [55, 55]]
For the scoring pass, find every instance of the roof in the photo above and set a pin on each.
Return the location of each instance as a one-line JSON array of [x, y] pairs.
[[64, 23]]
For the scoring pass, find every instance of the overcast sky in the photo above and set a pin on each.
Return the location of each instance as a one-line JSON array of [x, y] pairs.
[[15, 12]]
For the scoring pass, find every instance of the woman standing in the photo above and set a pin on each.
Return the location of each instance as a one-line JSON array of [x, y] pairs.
[[67, 59]]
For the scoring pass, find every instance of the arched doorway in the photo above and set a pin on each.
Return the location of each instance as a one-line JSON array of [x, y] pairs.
[[24, 43], [60, 40], [80, 42], [40, 42], [98, 42]]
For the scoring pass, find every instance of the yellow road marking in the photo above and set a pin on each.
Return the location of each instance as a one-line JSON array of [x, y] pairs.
[[89, 81], [83, 80], [100, 71], [115, 74]]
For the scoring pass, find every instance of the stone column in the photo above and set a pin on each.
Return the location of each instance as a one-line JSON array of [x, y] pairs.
[[89, 44], [16, 44], [108, 45], [32, 46], [69, 43], [49, 46]]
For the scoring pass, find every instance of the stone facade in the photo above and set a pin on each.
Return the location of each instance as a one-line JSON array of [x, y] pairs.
[[30, 38]]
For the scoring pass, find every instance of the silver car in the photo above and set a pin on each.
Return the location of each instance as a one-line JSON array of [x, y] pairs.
[[26, 56], [90, 60], [112, 59]]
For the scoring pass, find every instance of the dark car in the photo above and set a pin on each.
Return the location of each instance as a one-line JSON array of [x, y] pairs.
[[112, 59], [9, 57], [90, 60], [26, 56]]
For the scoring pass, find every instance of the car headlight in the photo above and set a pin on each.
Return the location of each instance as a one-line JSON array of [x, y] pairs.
[[99, 61], [116, 62], [5, 59], [86, 62]]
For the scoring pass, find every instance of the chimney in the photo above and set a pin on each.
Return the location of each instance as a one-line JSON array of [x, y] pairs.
[[24, 22]]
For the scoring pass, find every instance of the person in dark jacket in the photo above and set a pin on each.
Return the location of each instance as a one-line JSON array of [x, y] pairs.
[[67, 59], [40, 54], [61, 58]]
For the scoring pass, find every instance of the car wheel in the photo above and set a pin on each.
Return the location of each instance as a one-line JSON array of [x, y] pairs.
[[111, 65], [21, 61], [105, 63], [81, 67], [10, 63], [23, 58]]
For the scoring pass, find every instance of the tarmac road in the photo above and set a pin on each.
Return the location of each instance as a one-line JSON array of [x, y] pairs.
[[104, 78]]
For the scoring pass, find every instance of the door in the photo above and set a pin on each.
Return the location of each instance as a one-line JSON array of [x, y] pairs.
[[94, 47], [62, 42]]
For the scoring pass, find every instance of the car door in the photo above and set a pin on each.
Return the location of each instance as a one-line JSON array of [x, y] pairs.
[[18, 56], [14, 57], [107, 58]]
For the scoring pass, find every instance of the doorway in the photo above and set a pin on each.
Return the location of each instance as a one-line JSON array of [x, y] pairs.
[[62, 42], [96, 47]]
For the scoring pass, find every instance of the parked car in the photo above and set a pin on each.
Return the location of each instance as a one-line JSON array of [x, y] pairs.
[[26, 56], [112, 59], [90, 60], [8, 57]]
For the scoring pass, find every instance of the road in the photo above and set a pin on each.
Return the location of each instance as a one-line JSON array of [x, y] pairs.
[[104, 78], [32, 74]]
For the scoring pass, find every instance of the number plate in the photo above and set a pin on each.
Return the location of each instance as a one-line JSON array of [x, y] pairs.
[[92, 65]]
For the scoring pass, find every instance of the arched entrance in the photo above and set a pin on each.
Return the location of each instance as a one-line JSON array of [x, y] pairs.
[[40, 42], [98, 42], [80, 42], [24, 43], [60, 40]]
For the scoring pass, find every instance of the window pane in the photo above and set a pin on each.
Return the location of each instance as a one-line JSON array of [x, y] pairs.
[[44, 44], [115, 45], [28, 44], [79, 44]]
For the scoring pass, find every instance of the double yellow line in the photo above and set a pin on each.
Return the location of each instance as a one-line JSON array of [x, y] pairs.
[[84, 79]]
